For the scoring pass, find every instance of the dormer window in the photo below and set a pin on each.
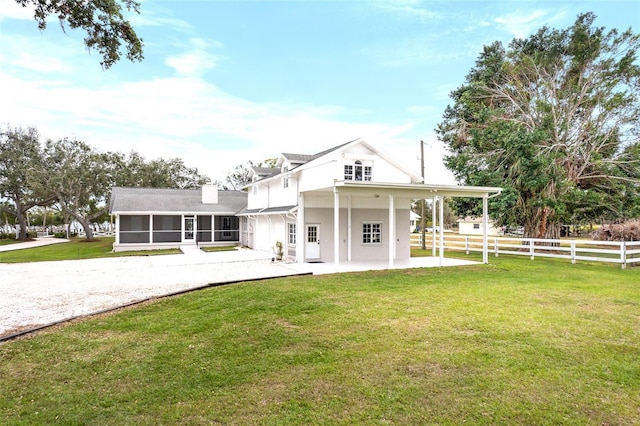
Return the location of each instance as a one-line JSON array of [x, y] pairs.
[[285, 177], [359, 171]]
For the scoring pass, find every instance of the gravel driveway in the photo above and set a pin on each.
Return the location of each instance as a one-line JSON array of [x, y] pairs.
[[35, 294]]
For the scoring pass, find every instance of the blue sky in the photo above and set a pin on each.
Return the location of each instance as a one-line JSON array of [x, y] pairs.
[[224, 82]]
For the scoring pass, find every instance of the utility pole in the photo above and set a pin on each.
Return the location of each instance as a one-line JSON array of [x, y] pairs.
[[422, 222]]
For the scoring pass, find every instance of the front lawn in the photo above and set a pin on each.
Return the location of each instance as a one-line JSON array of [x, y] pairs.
[[514, 342], [76, 249]]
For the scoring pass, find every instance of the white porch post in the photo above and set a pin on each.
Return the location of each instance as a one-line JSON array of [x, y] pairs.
[[336, 227], [485, 225], [433, 225], [441, 228], [117, 229], [392, 230], [301, 233], [151, 228], [349, 228]]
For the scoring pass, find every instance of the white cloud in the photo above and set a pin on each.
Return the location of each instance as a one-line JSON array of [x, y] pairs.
[[408, 8], [9, 9], [54, 88], [523, 23], [196, 60]]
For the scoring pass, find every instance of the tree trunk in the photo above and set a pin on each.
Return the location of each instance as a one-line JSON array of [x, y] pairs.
[[86, 223], [22, 221], [542, 230]]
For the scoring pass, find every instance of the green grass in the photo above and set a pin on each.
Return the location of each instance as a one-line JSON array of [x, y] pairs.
[[218, 248], [515, 342], [76, 249], [5, 242]]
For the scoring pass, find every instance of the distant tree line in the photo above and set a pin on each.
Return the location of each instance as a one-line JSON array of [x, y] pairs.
[[74, 178]]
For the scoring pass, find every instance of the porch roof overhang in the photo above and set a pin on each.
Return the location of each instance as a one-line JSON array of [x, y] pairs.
[[171, 213], [268, 210], [414, 190]]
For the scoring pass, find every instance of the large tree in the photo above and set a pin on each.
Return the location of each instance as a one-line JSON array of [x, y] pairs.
[[106, 28], [136, 171], [79, 179], [554, 119], [20, 158]]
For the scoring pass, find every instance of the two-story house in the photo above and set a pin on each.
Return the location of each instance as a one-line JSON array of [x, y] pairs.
[[347, 203]]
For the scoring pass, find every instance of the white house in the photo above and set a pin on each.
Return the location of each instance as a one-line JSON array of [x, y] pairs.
[[475, 226], [347, 203], [414, 221]]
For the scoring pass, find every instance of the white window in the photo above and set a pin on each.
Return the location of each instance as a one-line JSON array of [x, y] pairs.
[[476, 226], [358, 170], [371, 233], [292, 233], [285, 177], [348, 172]]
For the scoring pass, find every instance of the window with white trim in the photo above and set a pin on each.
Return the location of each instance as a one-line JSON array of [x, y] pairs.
[[292, 233], [358, 170], [285, 177], [372, 233], [348, 172]]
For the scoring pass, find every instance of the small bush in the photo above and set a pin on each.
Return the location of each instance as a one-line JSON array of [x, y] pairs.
[[627, 231]]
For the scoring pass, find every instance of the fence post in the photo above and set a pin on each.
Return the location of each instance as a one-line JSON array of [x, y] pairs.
[[531, 249], [495, 244], [573, 251], [623, 254], [466, 244]]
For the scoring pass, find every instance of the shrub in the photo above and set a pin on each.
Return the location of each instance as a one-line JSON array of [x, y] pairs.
[[627, 231]]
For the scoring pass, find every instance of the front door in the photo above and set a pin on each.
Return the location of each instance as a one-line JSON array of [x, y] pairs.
[[312, 247], [189, 229]]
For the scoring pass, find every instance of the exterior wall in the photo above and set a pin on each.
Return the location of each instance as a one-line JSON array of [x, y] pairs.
[[359, 251], [272, 193], [325, 173], [258, 196], [267, 229], [320, 176]]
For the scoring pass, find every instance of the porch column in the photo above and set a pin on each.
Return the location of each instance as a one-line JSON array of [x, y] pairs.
[[336, 227], [349, 240], [485, 226], [301, 234], [392, 230], [441, 227], [117, 229], [433, 225], [151, 228]]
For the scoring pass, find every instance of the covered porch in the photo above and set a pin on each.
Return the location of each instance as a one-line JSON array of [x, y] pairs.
[[347, 197]]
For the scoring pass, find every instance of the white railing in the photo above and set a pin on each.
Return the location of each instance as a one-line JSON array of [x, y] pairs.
[[621, 252]]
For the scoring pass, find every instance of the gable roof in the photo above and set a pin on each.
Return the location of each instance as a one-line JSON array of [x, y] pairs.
[[158, 200], [305, 158], [265, 172], [301, 160]]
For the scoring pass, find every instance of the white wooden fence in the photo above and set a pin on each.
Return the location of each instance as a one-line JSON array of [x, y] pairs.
[[624, 253]]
